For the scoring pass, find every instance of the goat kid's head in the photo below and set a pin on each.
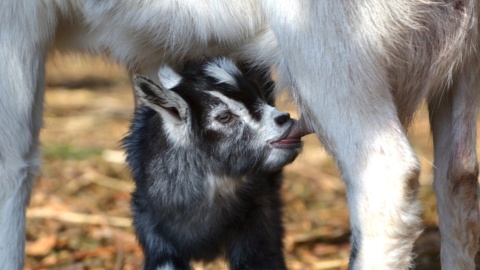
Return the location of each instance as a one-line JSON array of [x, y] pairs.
[[212, 108]]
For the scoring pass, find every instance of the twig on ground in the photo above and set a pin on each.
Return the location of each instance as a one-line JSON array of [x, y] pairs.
[[78, 218]]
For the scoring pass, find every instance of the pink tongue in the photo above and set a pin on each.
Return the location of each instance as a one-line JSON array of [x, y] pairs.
[[289, 141]]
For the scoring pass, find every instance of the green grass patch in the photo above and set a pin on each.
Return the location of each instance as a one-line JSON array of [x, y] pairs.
[[63, 152]]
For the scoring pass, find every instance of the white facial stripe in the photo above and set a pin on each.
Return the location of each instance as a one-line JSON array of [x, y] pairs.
[[223, 70], [236, 108], [168, 77], [265, 131], [269, 129]]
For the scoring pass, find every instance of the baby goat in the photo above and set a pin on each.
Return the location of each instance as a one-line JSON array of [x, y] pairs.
[[206, 153]]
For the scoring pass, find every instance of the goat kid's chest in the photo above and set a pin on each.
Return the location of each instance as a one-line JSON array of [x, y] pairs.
[[223, 188]]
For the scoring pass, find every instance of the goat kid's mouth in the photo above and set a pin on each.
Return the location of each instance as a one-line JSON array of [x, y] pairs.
[[292, 138], [288, 140], [287, 143]]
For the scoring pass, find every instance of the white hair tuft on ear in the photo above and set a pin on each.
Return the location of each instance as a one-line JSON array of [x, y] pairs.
[[168, 77], [223, 70]]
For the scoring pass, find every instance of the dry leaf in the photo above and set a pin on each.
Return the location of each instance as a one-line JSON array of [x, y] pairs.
[[42, 246]]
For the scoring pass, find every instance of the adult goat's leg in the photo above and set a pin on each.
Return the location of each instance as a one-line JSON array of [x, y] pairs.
[[453, 119], [20, 118], [341, 84], [22, 52]]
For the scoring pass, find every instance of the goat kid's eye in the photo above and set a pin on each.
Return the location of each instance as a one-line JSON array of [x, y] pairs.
[[224, 117]]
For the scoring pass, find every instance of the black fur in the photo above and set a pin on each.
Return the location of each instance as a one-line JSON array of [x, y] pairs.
[[174, 218]]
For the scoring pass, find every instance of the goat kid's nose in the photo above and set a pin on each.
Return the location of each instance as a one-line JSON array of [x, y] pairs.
[[282, 119]]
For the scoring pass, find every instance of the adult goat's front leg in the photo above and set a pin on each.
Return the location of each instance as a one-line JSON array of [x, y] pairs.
[[453, 119], [341, 84], [21, 107], [22, 56]]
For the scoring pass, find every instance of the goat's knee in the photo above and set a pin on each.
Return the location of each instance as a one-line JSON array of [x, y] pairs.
[[16, 181], [462, 177], [385, 213], [16, 172], [457, 188]]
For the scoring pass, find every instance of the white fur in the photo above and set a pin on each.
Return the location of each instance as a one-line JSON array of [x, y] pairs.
[[222, 186], [268, 129], [237, 108], [167, 266], [176, 129], [358, 71], [222, 70], [168, 77], [267, 125]]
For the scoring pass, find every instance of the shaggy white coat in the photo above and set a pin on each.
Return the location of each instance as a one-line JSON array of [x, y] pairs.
[[357, 69]]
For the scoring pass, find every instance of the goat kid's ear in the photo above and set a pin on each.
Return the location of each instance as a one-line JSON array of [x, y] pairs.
[[166, 102]]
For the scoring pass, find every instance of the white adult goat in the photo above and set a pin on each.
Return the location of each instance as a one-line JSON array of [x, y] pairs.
[[358, 70]]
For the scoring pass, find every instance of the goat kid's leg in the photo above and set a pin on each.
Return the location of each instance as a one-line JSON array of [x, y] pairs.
[[341, 85], [160, 255], [257, 248], [154, 262], [257, 244], [453, 121]]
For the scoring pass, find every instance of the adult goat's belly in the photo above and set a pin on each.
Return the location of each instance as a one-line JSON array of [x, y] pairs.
[[427, 56], [132, 31]]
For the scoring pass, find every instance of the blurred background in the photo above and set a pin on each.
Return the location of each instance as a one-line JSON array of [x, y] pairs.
[[79, 215]]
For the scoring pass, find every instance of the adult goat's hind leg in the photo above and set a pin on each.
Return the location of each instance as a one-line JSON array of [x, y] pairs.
[[453, 120], [342, 85]]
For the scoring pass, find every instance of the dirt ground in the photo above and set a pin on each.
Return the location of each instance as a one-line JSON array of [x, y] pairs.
[[79, 215]]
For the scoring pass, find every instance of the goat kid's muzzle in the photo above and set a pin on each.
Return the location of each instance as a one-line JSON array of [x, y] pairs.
[[293, 137]]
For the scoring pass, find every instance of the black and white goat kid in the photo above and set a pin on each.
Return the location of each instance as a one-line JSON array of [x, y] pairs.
[[206, 153]]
